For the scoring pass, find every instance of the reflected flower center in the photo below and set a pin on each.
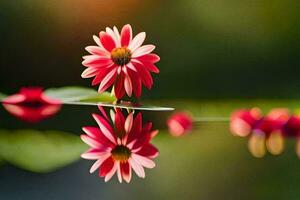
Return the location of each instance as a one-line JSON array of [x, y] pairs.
[[32, 104], [121, 56], [121, 153]]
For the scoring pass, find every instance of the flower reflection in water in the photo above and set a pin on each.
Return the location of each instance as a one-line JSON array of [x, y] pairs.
[[266, 133], [120, 143], [31, 105]]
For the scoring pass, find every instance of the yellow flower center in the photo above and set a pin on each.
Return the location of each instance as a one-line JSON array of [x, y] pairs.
[[121, 153], [121, 56]]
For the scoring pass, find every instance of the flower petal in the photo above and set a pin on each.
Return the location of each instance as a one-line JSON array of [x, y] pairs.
[[90, 141], [147, 127], [119, 171], [102, 73], [136, 128], [116, 31], [137, 41], [89, 72], [146, 162], [148, 150], [113, 35], [144, 137], [105, 128], [112, 115], [92, 132], [97, 50], [98, 42], [97, 134], [150, 66], [137, 168], [131, 66], [128, 85], [103, 112], [108, 80], [96, 61], [128, 123], [14, 99], [119, 121], [145, 75], [119, 86], [93, 155], [106, 166], [136, 83], [111, 172], [97, 164], [152, 58], [107, 41], [126, 35], [143, 50], [126, 171]]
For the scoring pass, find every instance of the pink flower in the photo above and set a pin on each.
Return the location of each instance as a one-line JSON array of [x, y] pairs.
[[243, 121], [119, 145], [121, 61], [180, 123], [31, 104], [266, 132], [273, 122]]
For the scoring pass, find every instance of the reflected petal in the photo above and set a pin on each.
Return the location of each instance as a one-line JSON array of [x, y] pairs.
[[256, 145]]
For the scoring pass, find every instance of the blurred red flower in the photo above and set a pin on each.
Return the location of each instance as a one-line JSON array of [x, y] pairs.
[[266, 132], [243, 121], [180, 123], [31, 104]]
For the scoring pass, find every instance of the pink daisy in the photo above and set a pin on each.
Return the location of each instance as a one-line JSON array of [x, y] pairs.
[[121, 61], [119, 145], [31, 104]]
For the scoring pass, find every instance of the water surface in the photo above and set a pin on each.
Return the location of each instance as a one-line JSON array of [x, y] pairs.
[[208, 163]]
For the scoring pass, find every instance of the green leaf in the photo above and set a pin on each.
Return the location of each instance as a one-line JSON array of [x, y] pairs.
[[2, 96], [79, 94], [40, 151], [99, 98]]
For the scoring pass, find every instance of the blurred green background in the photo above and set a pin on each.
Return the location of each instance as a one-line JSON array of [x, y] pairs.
[[208, 48]]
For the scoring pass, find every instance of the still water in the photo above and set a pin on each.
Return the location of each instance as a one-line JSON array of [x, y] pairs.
[[44, 161]]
